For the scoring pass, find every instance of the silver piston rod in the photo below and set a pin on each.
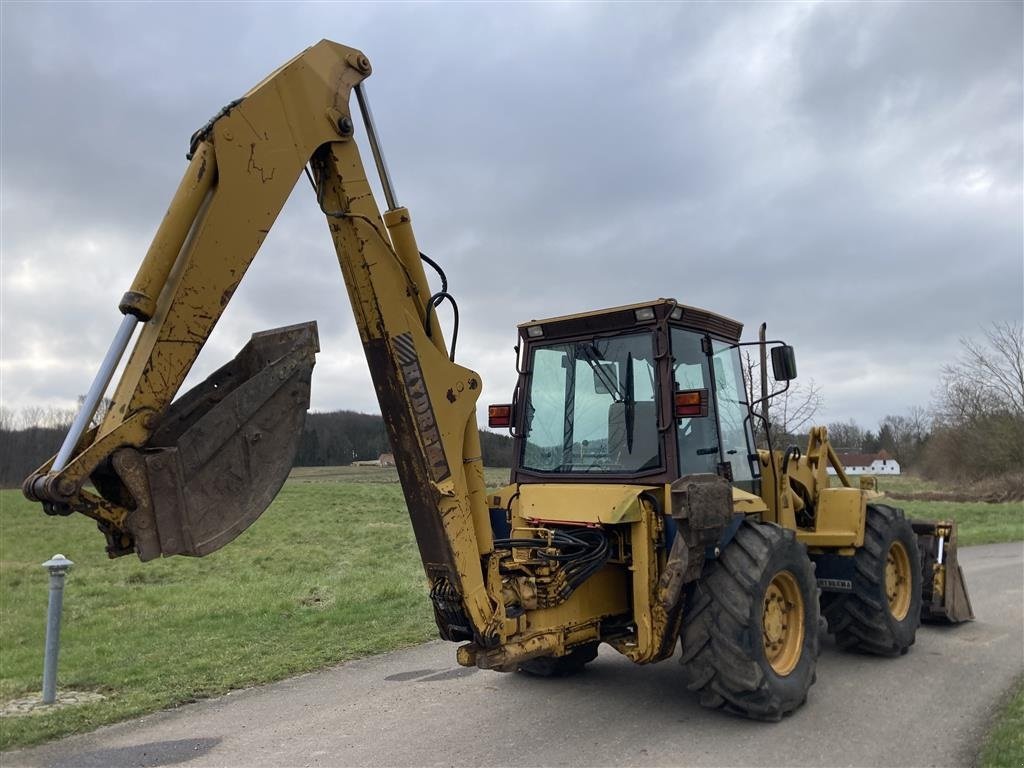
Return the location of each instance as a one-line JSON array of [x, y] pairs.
[[173, 238], [378, 155], [96, 391]]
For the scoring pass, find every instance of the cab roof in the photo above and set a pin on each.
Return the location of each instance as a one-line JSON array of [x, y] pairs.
[[690, 316]]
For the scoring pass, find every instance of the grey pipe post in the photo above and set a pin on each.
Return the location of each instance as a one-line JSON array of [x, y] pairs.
[[58, 566]]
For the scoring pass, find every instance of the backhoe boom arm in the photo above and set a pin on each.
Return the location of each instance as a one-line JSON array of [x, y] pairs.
[[150, 459]]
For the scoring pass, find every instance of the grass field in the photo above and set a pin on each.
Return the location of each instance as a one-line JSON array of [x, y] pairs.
[[494, 477], [1004, 747], [978, 522], [329, 573], [904, 484]]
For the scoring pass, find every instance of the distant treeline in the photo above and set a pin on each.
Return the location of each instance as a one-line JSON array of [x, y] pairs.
[[341, 437], [23, 450], [329, 439]]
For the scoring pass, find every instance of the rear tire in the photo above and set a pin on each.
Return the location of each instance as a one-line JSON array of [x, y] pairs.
[[750, 628], [560, 666], [882, 613]]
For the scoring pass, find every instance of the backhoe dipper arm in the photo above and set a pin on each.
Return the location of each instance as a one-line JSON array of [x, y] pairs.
[[150, 459]]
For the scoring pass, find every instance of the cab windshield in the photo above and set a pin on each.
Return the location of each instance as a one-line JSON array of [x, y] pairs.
[[590, 407]]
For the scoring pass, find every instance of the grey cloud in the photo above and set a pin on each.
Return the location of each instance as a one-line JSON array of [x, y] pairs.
[[849, 173], [908, 61]]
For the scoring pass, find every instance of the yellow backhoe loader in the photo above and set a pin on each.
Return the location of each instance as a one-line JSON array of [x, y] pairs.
[[638, 514]]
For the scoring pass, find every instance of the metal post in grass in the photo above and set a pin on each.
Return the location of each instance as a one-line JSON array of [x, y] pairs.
[[58, 566]]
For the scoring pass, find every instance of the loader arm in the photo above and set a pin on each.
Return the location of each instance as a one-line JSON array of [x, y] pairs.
[[187, 477]]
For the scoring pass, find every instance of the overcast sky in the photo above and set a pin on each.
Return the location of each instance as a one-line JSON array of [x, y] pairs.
[[850, 173]]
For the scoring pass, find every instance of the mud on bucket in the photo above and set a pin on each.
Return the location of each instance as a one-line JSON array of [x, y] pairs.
[[223, 450]]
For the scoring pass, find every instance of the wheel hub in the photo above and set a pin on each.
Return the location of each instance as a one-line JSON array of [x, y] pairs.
[[782, 623], [897, 580]]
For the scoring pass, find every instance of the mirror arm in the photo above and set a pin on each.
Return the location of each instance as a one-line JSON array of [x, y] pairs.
[[739, 344], [770, 396]]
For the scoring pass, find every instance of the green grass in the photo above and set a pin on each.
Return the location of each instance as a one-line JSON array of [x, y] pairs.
[[493, 476], [329, 573], [904, 484], [978, 522], [1004, 746]]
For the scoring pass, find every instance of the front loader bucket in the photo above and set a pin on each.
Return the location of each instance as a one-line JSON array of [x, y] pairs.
[[223, 450], [944, 592]]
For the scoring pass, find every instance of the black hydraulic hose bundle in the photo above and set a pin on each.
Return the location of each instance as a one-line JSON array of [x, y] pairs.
[[580, 554], [435, 301]]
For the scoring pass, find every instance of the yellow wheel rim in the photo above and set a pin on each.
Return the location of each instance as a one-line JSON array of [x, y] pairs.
[[782, 623], [897, 580]]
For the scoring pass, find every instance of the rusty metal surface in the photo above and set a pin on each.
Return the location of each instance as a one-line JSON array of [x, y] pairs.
[[222, 451]]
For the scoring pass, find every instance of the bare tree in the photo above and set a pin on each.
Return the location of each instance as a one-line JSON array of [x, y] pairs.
[[29, 416], [920, 420], [791, 412], [978, 430], [7, 419], [846, 436], [904, 435], [988, 377]]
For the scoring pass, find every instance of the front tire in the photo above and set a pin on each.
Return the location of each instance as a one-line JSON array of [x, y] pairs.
[[750, 629], [882, 613]]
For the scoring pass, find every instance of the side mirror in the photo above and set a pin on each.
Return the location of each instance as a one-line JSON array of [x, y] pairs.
[[783, 363]]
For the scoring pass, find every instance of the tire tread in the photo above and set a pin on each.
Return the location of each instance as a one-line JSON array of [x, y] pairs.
[[860, 619], [718, 640]]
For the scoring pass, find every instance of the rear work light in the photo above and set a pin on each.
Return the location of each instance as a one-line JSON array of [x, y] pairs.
[[499, 416], [646, 313], [691, 403]]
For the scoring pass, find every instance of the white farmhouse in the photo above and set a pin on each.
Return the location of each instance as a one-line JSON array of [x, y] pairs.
[[880, 463]]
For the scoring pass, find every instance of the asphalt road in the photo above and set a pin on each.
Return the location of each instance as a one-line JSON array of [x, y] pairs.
[[417, 707]]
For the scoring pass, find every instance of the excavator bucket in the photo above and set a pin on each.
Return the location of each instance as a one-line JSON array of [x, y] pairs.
[[944, 592], [223, 450]]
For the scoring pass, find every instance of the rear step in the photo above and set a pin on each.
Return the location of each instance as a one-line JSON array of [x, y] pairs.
[[223, 450], [943, 592]]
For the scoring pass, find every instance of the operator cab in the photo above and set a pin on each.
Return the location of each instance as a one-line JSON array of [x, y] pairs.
[[646, 392]]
